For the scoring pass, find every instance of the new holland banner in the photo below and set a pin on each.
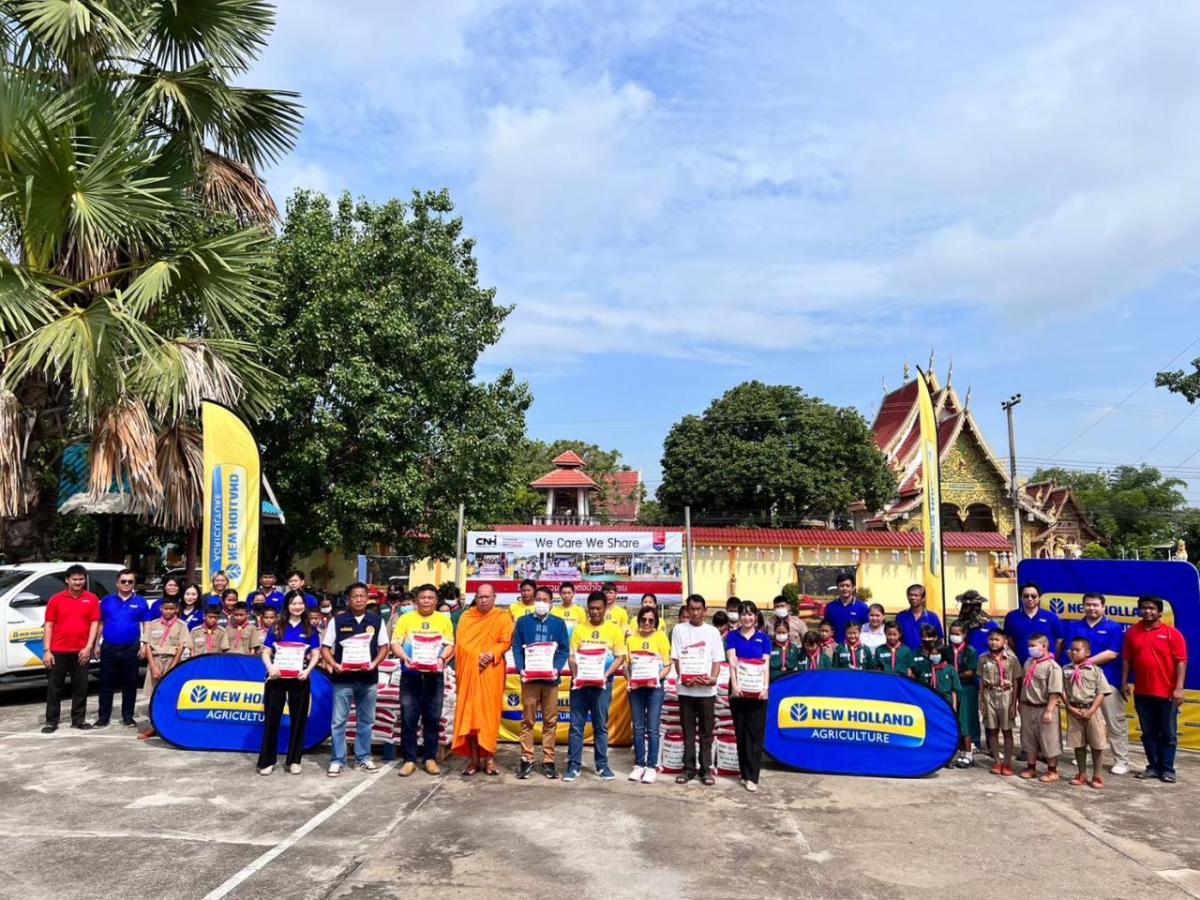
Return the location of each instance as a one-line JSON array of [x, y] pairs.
[[232, 476], [931, 499]]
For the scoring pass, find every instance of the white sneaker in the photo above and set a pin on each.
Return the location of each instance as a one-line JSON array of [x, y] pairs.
[[266, 770], [368, 766], [650, 776], [751, 786], [1120, 768], [294, 769], [334, 770], [637, 773]]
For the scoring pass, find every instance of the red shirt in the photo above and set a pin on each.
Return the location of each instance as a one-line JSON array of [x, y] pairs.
[[72, 618], [1153, 655]]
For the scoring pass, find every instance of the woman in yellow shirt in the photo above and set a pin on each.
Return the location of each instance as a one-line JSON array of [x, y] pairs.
[[648, 660]]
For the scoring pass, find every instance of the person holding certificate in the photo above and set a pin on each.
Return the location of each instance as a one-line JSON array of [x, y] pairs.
[[648, 661], [597, 651], [352, 649], [290, 653], [424, 641], [697, 651], [540, 649], [749, 653]]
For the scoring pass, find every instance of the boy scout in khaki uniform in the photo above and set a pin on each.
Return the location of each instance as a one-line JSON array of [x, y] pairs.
[[1041, 692], [241, 635], [1000, 677], [163, 641], [1084, 691], [209, 637]]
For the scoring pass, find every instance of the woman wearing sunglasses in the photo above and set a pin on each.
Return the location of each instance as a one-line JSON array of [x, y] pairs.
[[647, 662]]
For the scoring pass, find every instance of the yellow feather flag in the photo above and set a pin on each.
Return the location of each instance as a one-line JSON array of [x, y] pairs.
[[931, 499], [232, 505]]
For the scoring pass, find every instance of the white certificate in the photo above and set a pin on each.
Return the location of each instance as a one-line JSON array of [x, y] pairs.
[[644, 669], [289, 658], [694, 662], [539, 660], [426, 648], [356, 652], [590, 666], [752, 677]]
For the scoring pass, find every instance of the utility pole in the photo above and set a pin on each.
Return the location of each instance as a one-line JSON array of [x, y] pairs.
[[687, 533], [458, 549], [1014, 490]]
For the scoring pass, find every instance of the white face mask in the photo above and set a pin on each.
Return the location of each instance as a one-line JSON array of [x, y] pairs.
[[935, 658], [406, 608], [326, 610], [1036, 651], [956, 638], [781, 612], [540, 607], [781, 638]]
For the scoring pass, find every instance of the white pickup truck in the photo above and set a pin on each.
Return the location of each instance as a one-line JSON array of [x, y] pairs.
[[25, 590]]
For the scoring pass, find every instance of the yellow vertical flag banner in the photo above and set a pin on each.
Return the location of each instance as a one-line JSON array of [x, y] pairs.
[[232, 505], [931, 503]]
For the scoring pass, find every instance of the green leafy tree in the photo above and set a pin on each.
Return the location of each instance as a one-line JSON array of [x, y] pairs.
[[383, 427], [770, 454], [1186, 384], [133, 256]]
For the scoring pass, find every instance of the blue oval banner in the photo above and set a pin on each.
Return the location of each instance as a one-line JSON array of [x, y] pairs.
[[844, 722], [215, 702]]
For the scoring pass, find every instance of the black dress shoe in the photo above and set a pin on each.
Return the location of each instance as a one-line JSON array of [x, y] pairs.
[[49, 729], [100, 724], [129, 723], [82, 726]]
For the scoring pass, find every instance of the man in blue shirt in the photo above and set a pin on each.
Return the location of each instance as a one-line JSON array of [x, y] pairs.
[[267, 594], [296, 582], [1107, 639], [538, 691], [121, 615], [846, 608], [911, 620], [1030, 619]]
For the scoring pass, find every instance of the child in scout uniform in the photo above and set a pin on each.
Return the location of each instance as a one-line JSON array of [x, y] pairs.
[[266, 620], [893, 656], [964, 659], [853, 654], [1041, 692], [163, 642], [999, 673], [209, 637], [785, 656], [811, 657], [828, 643], [241, 635], [1084, 690], [944, 679], [922, 667]]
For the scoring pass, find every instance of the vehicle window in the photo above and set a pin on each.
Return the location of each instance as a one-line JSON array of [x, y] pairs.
[[47, 586], [12, 577], [102, 583]]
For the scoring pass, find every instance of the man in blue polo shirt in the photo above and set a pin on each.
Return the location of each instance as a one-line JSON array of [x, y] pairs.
[[296, 582], [1107, 639], [267, 594], [846, 607], [121, 617], [911, 620], [1029, 619]]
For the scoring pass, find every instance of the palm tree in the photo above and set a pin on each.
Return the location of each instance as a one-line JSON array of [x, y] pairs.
[[134, 268]]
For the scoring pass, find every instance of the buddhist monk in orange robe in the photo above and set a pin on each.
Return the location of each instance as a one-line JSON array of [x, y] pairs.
[[484, 636]]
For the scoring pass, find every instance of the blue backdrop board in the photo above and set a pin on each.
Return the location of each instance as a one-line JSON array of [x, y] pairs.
[[844, 722], [215, 702]]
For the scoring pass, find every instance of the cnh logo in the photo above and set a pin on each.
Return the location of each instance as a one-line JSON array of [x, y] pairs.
[[485, 542]]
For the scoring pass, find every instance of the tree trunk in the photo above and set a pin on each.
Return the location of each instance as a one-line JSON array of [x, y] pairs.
[[30, 536]]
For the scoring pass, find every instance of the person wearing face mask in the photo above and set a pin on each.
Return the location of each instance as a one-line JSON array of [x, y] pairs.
[[964, 659], [944, 680], [783, 615], [453, 600], [785, 656], [922, 660], [1041, 692], [540, 649]]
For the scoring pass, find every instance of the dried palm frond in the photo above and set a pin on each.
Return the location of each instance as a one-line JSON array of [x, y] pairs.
[[12, 491], [123, 452], [232, 187], [180, 463]]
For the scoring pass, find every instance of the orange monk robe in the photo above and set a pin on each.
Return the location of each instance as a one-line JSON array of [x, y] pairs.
[[480, 695]]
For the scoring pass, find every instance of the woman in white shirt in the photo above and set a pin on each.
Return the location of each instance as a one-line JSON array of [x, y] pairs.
[[872, 633]]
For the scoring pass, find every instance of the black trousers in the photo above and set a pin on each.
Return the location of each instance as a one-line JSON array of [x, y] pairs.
[[118, 668], [295, 692], [749, 725], [67, 665], [698, 714]]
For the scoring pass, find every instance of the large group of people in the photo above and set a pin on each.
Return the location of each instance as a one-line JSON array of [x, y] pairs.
[[995, 675]]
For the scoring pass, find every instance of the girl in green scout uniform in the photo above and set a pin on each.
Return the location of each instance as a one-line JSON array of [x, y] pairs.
[[853, 654], [893, 657], [785, 656], [965, 660], [811, 658], [922, 668]]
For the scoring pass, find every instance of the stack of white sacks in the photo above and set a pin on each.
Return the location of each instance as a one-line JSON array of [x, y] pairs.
[[387, 708], [670, 759]]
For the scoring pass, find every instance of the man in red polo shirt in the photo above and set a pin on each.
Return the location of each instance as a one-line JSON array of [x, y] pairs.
[[72, 620], [1157, 656]]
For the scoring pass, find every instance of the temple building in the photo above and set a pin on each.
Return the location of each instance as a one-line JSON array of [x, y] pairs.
[[573, 497], [975, 484]]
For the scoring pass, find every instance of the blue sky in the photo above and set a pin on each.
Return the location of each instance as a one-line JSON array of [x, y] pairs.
[[680, 195]]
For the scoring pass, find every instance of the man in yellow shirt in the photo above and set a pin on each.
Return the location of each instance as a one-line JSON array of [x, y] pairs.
[[613, 611], [570, 611], [424, 641], [597, 652], [524, 606]]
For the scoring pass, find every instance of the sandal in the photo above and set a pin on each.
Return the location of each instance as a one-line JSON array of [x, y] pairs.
[[1079, 780], [490, 767], [472, 769], [1097, 783], [1049, 778], [1029, 773]]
